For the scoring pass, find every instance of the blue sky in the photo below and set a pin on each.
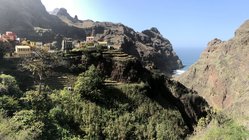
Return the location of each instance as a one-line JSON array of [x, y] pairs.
[[186, 23]]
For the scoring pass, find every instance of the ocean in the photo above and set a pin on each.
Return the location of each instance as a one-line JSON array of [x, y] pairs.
[[188, 55]]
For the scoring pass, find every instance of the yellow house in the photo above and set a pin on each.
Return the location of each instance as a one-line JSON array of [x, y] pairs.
[[23, 51], [102, 43]]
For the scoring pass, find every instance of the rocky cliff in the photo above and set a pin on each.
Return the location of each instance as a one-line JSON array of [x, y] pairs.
[[221, 74]]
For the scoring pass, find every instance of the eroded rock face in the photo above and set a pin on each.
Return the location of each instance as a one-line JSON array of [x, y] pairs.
[[221, 74]]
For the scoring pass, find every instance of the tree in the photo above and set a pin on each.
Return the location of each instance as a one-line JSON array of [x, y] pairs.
[[89, 83], [6, 47], [2, 50], [8, 86], [40, 65], [9, 94], [22, 126], [39, 102]]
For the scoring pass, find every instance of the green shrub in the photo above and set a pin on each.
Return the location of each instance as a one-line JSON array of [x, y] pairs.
[[230, 130]]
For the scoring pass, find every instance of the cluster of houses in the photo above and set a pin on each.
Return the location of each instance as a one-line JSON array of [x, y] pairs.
[[24, 47], [90, 43], [8, 36]]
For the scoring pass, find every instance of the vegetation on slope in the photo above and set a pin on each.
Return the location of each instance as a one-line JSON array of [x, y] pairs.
[[221, 127], [90, 111]]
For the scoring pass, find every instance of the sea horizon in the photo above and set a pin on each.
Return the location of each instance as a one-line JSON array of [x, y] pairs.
[[188, 56]]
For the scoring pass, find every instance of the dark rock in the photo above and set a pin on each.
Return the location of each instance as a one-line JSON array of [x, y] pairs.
[[76, 18]]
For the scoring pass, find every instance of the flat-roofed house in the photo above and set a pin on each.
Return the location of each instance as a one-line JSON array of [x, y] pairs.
[[67, 44], [102, 43], [39, 44], [90, 39], [36, 44], [23, 51]]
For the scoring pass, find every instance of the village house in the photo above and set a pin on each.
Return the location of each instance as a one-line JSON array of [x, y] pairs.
[[90, 39], [8, 36], [102, 43], [36, 44], [67, 44], [23, 51]]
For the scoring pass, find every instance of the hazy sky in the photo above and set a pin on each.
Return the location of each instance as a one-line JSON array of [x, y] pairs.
[[186, 23]]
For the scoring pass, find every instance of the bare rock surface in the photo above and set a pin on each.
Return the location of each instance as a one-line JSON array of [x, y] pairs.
[[221, 74]]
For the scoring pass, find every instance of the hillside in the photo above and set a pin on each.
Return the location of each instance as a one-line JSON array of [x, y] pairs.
[[117, 98], [221, 75]]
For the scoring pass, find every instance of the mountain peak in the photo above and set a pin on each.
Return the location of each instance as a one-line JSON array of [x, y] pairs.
[[60, 12], [64, 15], [155, 30], [54, 12]]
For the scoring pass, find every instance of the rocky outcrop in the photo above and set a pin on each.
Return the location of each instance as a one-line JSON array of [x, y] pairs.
[[64, 16], [221, 74]]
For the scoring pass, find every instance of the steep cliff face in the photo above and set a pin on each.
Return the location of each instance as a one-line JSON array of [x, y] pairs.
[[221, 74]]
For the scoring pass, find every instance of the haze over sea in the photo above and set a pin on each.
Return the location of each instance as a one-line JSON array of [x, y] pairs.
[[188, 55]]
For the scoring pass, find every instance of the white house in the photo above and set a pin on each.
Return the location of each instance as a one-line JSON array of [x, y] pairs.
[[39, 44], [90, 39]]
